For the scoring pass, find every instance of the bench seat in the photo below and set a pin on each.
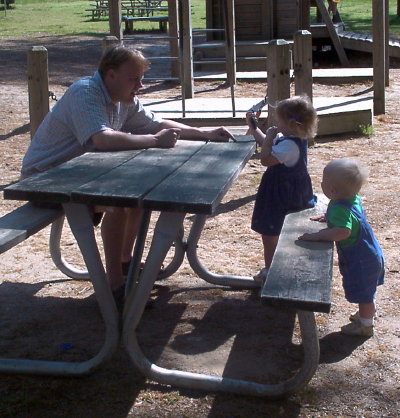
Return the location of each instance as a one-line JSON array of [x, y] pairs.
[[21, 223], [162, 20], [300, 275]]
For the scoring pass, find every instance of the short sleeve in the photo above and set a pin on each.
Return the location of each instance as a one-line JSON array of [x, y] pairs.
[[340, 216], [140, 120], [286, 152], [84, 112]]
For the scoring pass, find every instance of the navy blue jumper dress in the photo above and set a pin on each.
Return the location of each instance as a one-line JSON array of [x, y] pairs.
[[282, 190], [361, 264]]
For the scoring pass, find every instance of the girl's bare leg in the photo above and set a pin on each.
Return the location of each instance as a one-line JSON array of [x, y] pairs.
[[366, 310], [269, 242]]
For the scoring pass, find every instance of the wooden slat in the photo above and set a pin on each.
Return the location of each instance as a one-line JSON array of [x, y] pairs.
[[139, 175], [42, 186], [23, 222], [301, 272], [177, 194], [332, 33]]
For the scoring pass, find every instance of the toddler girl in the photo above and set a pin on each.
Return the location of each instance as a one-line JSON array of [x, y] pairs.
[[286, 185]]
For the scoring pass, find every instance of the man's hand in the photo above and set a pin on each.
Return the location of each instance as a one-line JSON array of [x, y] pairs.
[[167, 138], [220, 134]]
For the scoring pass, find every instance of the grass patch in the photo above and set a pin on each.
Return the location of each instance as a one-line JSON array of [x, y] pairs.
[[62, 17], [366, 130]]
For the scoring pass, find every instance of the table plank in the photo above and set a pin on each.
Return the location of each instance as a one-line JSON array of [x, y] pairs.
[[55, 185], [212, 171], [127, 184]]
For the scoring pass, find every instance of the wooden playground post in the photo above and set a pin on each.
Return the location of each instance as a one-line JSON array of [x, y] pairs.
[[114, 18], [304, 14], [110, 41], [173, 33], [187, 49], [332, 32], [230, 49], [387, 56], [38, 86], [278, 75], [302, 63], [378, 55]]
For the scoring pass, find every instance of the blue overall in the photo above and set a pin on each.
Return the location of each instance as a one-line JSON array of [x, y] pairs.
[[361, 264], [282, 190]]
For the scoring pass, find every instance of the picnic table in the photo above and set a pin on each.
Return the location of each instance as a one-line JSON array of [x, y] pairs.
[[193, 177]]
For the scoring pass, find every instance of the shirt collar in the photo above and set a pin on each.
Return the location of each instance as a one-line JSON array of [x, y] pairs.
[[97, 78]]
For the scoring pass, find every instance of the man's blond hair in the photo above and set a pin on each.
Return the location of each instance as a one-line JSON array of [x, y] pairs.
[[117, 55]]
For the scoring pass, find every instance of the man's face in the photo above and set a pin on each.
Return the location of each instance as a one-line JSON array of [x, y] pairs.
[[124, 82]]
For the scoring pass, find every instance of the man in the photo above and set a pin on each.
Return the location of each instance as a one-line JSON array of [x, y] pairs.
[[103, 112]]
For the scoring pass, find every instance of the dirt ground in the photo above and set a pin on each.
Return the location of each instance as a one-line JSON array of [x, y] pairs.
[[193, 325]]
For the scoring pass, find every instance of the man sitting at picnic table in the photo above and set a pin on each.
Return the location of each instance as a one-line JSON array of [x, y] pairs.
[[103, 113]]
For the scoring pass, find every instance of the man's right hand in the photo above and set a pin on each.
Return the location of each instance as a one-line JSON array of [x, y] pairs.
[[167, 138]]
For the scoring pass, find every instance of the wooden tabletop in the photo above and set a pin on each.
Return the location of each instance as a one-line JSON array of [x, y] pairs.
[[193, 177]]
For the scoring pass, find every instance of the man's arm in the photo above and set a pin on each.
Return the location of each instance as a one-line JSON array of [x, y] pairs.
[[109, 139], [220, 134]]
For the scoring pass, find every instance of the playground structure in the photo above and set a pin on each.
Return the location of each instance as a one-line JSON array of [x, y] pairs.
[[336, 115]]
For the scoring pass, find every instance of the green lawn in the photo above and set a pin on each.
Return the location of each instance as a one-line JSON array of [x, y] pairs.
[[62, 17]]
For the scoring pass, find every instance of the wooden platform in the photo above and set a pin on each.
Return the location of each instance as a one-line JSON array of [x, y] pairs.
[[339, 75], [363, 42], [336, 114]]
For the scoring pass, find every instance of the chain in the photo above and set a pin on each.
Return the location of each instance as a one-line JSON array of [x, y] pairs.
[[52, 95]]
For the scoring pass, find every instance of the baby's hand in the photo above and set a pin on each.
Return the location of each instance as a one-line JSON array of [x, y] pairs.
[[251, 122], [308, 237], [318, 218], [271, 133]]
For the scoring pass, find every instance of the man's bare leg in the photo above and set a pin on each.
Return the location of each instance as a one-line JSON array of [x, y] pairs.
[[131, 230], [113, 232]]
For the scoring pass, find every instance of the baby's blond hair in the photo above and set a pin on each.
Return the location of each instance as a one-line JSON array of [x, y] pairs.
[[347, 174], [299, 113]]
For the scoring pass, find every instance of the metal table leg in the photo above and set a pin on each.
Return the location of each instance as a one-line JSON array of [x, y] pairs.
[[82, 228], [167, 229], [204, 381], [201, 271], [55, 252]]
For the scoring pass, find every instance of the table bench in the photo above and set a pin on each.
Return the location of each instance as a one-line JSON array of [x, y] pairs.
[[19, 224], [128, 20], [98, 11], [300, 278], [15, 227]]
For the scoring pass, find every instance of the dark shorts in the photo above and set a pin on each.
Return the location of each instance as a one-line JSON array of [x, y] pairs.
[[96, 216]]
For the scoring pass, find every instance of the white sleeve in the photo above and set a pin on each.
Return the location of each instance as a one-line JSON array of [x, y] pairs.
[[286, 152]]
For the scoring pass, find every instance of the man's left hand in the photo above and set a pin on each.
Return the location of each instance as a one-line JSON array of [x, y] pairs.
[[220, 134]]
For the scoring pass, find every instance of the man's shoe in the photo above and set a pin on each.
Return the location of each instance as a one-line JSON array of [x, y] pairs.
[[119, 298], [125, 268]]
